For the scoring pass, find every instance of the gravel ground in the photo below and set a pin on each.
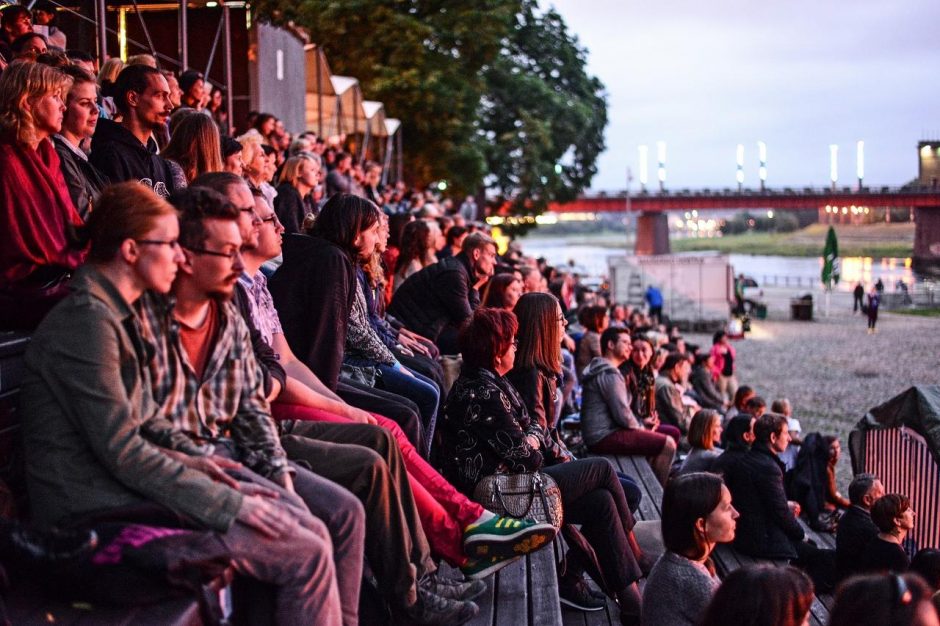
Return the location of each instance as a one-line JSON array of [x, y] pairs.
[[832, 371]]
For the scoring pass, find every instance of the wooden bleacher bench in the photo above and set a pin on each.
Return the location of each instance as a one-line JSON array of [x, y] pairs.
[[725, 557], [25, 603]]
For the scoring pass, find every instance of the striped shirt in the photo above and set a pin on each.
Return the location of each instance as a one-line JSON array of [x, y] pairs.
[[227, 403]]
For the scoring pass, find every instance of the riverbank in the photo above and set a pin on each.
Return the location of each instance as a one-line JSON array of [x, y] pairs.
[[869, 240]]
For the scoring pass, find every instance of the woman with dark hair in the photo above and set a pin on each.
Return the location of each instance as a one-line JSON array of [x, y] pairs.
[[894, 517], [416, 251], [704, 437], [927, 563], [761, 595], [36, 210], [537, 372], [641, 387], [503, 291], [697, 515], [737, 437], [453, 240], [739, 401], [314, 291], [595, 321], [84, 180], [893, 600], [486, 428]]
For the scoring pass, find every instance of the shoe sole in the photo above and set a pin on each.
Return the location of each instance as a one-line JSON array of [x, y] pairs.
[[576, 606], [523, 542], [492, 569]]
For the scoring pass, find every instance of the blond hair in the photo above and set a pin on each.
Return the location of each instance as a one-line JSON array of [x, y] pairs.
[[143, 59], [291, 171], [251, 145], [109, 70], [23, 82]]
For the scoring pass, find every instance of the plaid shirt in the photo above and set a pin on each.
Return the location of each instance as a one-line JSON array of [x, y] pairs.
[[228, 403]]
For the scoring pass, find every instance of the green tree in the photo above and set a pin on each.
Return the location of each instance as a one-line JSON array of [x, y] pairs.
[[542, 116], [423, 60], [491, 93]]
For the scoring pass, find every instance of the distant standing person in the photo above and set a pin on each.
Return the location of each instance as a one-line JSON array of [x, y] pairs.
[[874, 301], [723, 366], [654, 298], [859, 294]]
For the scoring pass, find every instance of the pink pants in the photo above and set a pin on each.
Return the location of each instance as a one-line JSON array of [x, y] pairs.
[[444, 511]]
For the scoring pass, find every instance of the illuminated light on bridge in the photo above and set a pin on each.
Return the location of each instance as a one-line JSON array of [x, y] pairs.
[[644, 166], [661, 154], [762, 170], [860, 162], [833, 164], [740, 173]]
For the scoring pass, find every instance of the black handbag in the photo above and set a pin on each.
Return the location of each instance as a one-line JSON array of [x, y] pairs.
[[531, 495]]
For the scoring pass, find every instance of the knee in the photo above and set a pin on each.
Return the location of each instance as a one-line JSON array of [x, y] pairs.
[[669, 449]]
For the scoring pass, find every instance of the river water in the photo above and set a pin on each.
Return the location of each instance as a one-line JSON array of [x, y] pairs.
[[766, 270]]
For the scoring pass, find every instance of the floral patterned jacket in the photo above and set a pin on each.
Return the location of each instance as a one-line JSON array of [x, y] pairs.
[[484, 430]]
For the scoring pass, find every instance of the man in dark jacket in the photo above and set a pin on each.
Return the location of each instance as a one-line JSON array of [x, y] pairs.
[[128, 151], [768, 527], [856, 527], [445, 293]]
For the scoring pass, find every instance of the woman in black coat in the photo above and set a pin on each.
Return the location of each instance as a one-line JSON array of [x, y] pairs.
[[487, 429]]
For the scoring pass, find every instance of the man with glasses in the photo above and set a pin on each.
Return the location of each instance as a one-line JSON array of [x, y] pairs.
[[435, 301]]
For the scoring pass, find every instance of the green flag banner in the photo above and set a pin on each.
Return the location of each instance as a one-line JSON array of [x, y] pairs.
[[830, 269]]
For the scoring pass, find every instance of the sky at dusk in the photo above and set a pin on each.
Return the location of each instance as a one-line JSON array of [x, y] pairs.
[[799, 75]]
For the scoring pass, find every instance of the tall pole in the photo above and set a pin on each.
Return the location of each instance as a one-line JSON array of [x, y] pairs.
[[739, 174], [661, 169], [762, 171], [184, 34], [227, 25], [644, 167], [102, 11], [627, 220], [319, 92], [834, 165], [860, 162]]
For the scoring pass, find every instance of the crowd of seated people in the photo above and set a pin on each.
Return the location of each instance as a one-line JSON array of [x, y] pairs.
[[241, 332]]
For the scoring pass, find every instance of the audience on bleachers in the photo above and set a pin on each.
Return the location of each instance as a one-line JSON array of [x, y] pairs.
[[298, 418]]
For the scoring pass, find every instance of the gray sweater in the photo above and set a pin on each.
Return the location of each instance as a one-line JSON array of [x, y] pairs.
[[699, 460], [605, 403], [677, 592]]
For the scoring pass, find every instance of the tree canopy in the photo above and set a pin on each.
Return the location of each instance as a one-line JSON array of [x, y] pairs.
[[490, 92]]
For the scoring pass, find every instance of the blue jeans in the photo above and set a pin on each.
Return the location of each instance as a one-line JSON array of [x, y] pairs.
[[419, 389]]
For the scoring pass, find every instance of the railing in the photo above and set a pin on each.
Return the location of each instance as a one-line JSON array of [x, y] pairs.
[[784, 191]]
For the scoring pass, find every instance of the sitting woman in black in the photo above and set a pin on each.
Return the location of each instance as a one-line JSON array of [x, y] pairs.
[[487, 429], [894, 517]]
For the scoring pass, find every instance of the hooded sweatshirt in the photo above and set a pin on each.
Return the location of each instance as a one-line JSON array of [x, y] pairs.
[[605, 404], [120, 156], [313, 291]]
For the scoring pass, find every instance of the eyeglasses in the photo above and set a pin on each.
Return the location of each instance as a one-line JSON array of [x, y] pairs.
[[272, 219], [172, 243], [225, 255]]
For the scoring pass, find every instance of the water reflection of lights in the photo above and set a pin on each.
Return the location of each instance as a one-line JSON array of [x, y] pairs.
[[860, 269]]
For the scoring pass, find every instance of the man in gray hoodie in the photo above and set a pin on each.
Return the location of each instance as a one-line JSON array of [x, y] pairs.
[[608, 424]]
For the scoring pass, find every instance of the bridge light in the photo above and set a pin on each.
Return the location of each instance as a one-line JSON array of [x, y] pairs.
[[770, 215], [739, 174], [834, 164], [860, 162], [661, 154], [762, 170], [644, 166]]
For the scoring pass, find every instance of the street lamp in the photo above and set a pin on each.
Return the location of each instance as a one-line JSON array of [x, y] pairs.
[[739, 175], [860, 162], [762, 172], [661, 170], [644, 167], [833, 164]]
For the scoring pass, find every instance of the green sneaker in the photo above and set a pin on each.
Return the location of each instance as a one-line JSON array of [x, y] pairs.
[[477, 569], [506, 536]]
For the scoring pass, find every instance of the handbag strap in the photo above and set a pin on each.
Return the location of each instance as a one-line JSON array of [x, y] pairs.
[[536, 479]]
